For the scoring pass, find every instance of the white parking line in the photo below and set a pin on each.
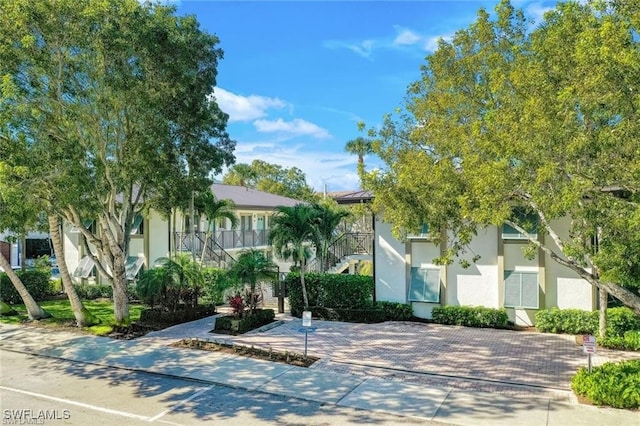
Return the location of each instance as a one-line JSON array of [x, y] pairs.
[[78, 404], [178, 404]]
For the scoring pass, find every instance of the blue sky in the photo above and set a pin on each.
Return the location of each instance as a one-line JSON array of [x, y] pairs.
[[297, 76]]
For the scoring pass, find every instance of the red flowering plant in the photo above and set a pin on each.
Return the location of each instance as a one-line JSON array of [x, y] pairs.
[[237, 305]]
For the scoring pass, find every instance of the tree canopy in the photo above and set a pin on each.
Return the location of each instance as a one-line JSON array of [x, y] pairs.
[[271, 178], [545, 119], [108, 105]]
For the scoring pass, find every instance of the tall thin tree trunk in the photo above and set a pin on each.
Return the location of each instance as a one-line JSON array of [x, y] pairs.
[[602, 319], [305, 298], [34, 310], [84, 318]]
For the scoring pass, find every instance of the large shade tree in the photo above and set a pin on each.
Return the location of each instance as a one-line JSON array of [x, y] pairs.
[[544, 119], [272, 178], [110, 104]]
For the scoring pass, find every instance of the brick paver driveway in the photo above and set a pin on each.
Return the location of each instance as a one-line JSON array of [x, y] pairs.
[[470, 358]]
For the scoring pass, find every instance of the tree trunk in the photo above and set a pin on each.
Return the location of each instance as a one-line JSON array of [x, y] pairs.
[[120, 299], [34, 310], [302, 283], [602, 320], [84, 318]]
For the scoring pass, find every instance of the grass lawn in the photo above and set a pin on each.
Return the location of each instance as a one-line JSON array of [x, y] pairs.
[[63, 315]]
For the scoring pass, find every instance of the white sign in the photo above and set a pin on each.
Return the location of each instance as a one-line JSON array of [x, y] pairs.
[[306, 319], [589, 344]]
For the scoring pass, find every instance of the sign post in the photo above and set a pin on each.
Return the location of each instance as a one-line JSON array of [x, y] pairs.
[[307, 328], [589, 347]]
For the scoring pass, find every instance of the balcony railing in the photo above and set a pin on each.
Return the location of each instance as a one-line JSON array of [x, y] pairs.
[[225, 239]]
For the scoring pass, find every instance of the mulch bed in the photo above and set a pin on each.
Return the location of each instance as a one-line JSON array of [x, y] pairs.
[[249, 352]]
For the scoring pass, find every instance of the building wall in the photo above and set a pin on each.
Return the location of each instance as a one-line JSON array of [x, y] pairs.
[[390, 264], [482, 283]]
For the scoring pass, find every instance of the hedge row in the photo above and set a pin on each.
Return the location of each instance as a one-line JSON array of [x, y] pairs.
[[249, 322], [370, 315], [470, 316], [576, 321], [36, 281], [157, 316], [338, 291], [102, 291]]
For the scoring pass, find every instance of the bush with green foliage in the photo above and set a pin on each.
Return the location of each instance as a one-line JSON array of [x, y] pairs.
[[37, 282], [569, 321], [370, 315], [621, 320], [470, 316], [613, 384], [175, 284], [162, 317], [623, 325], [257, 319], [394, 311], [338, 291], [629, 341], [216, 284], [102, 291]]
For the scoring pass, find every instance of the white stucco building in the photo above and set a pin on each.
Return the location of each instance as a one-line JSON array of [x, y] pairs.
[[154, 236], [502, 277]]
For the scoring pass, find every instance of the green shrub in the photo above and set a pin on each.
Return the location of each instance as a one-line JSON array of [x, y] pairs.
[[257, 319], [620, 320], [93, 291], [629, 341], [470, 316], [569, 321], [370, 315], [36, 281], [395, 311], [340, 291], [216, 284], [159, 316], [577, 321], [613, 384]]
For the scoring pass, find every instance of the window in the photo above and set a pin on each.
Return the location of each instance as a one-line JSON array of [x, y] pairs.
[[85, 268], [90, 225], [521, 290], [425, 285], [138, 225], [245, 222], [526, 220], [133, 266]]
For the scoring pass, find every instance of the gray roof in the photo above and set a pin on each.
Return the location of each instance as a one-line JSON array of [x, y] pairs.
[[351, 197], [249, 198]]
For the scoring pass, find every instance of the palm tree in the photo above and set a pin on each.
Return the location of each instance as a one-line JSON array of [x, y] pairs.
[[291, 229], [360, 147], [214, 210], [176, 280], [253, 267], [84, 318], [328, 220]]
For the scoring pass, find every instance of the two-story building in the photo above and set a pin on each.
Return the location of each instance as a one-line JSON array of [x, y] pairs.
[[155, 236]]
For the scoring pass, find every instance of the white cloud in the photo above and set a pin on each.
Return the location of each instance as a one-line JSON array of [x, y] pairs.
[[406, 37], [296, 127], [245, 108], [535, 11], [335, 169], [364, 48]]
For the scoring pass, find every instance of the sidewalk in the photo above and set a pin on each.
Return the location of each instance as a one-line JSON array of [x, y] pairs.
[[447, 405]]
